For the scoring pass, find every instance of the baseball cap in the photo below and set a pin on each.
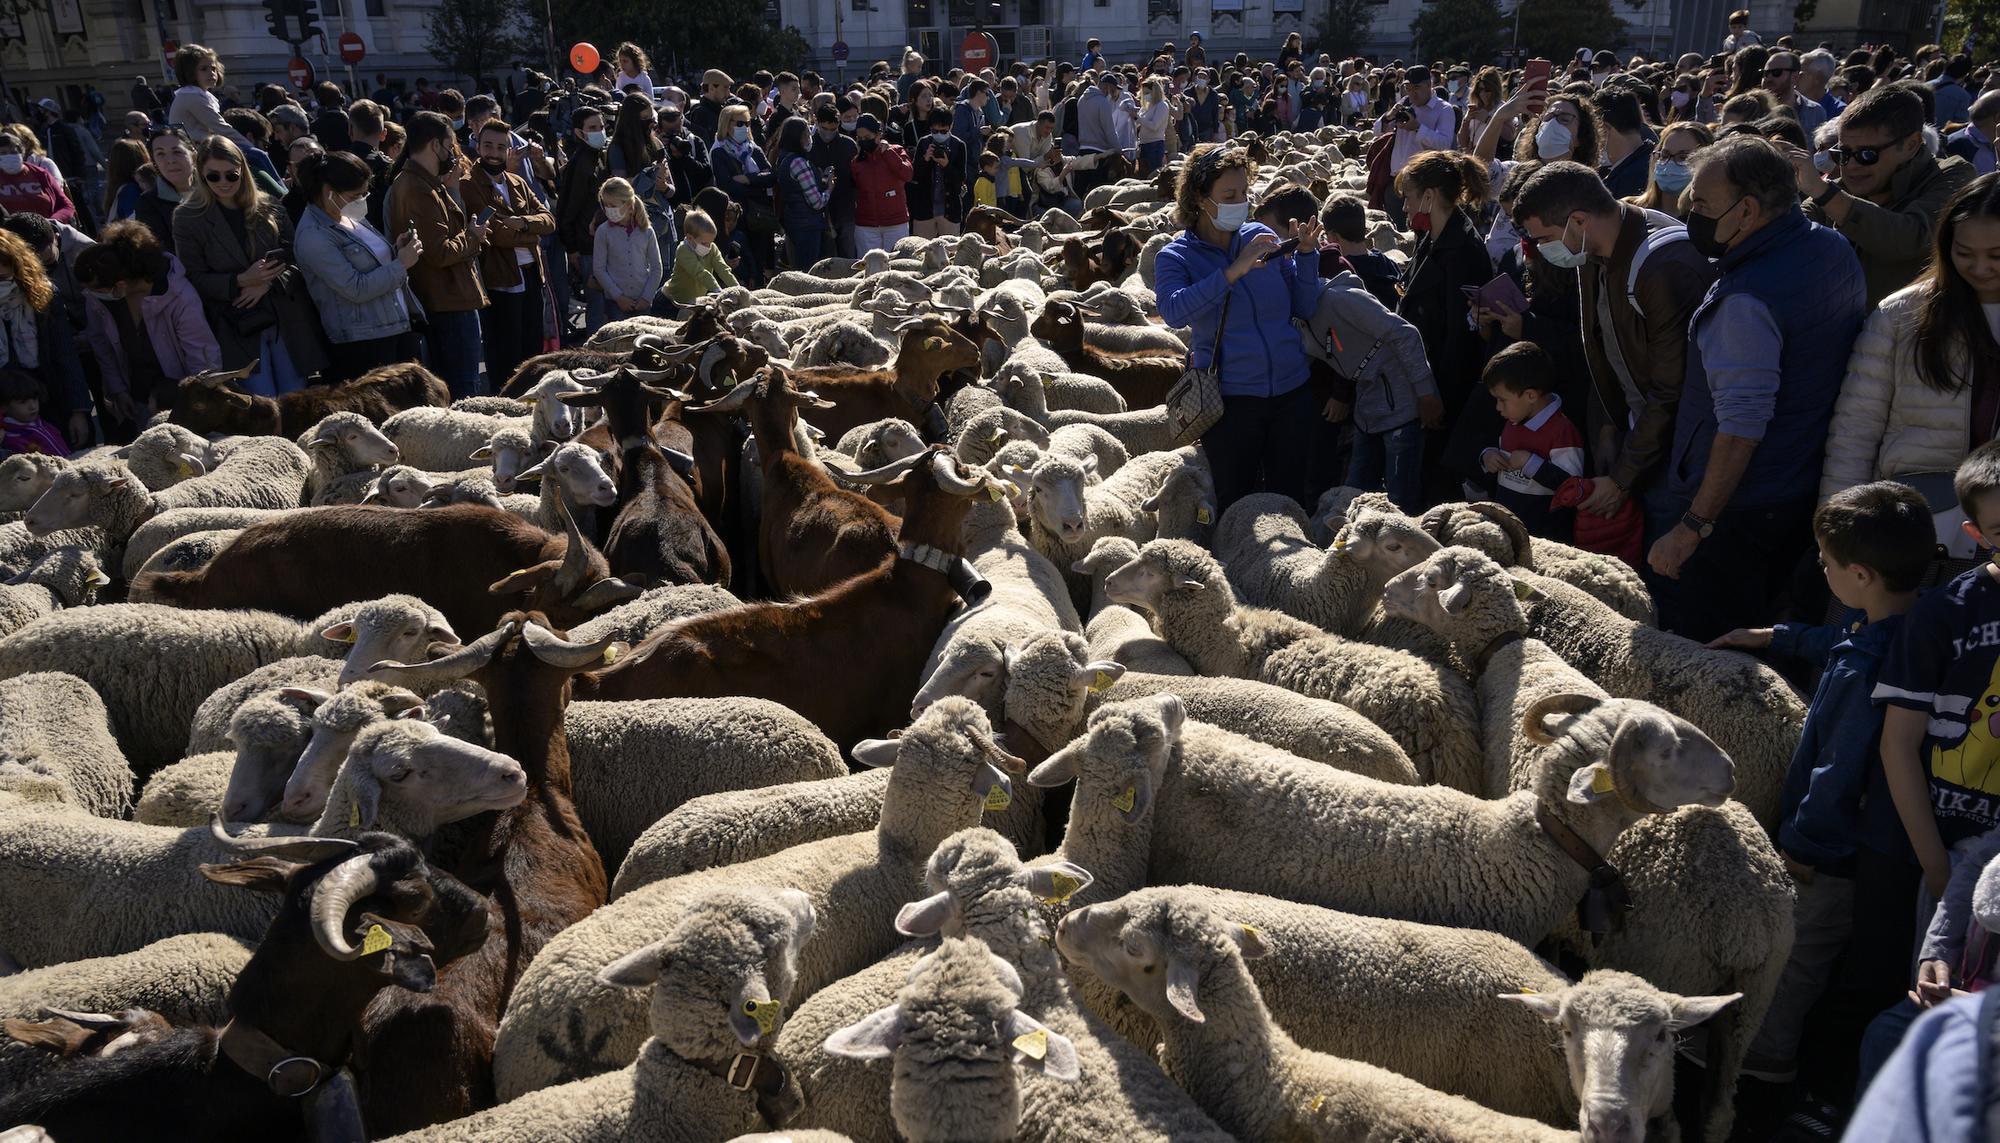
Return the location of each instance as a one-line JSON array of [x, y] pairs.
[[290, 114], [1421, 73]]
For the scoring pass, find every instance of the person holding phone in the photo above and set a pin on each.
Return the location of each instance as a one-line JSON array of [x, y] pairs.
[[938, 186], [1422, 122], [1224, 277], [358, 280], [425, 195], [234, 241], [510, 265]]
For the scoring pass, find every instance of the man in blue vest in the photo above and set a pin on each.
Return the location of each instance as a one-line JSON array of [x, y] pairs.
[[1767, 349]]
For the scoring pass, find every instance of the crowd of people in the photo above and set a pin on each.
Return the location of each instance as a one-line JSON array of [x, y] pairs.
[[1691, 312]]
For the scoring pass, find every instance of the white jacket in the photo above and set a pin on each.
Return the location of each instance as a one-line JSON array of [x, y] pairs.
[[1887, 421]]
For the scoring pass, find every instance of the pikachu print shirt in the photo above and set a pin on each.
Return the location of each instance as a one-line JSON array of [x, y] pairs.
[[1947, 664]]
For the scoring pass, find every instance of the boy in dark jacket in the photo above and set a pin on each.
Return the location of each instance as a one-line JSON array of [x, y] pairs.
[[1345, 218]]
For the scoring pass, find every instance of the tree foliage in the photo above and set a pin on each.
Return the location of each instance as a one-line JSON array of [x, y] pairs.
[[1471, 30], [1554, 29], [1341, 27], [474, 38], [690, 37]]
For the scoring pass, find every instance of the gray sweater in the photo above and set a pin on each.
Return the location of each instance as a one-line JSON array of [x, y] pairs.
[[1367, 344], [626, 262]]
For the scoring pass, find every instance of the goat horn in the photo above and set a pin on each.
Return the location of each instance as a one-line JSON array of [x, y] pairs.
[[306, 849], [335, 894], [576, 554], [557, 651], [668, 394], [887, 472], [949, 479], [456, 665], [95, 1021], [729, 402]]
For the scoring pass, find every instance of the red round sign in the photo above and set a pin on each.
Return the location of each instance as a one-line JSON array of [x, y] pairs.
[[840, 51], [979, 50], [301, 73], [351, 48]]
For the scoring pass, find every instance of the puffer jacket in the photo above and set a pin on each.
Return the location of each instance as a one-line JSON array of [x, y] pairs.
[[1887, 422]]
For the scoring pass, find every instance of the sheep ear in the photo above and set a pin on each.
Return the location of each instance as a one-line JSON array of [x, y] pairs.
[[1189, 583], [1525, 591], [1249, 941], [635, 969], [263, 874], [873, 1037], [1058, 769], [305, 696], [1692, 1010], [1543, 1004], [926, 917], [483, 452], [1097, 677], [1057, 881], [1591, 784], [1089, 464], [1455, 598], [1033, 1040], [1183, 982], [342, 632], [1151, 503], [367, 797], [191, 465], [876, 753]]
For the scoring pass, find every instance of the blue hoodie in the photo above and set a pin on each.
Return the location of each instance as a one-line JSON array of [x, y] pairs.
[[1261, 353]]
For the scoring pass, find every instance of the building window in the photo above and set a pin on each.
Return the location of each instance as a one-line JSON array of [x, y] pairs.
[[919, 14], [377, 8], [1163, 9]]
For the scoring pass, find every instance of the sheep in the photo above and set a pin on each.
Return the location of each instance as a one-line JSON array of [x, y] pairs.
[[1431, 711], [719, 980], [400, 486], [1141, 431], [982, 891], [443, 440], [166, 454], [981, 437], [1068, 515], [881, 442], [562, 1024], [104, 494], [1116, 632], [99, 887], [1261, 541], [735, 826], [157, 533], [634, 619], [434, 781], [24, 476], [577, 473], [66, 577], [1043, 388], [957, 1032], [1049, 685], [1187, 967], [183, 979], [510, 449], [493, 406], [156, 664], [1501, 536], [191, 791], [1183, 507], [1142, 373], [57, 722], [1490, 864], [346, 450], [844, 342], [1748, 708]]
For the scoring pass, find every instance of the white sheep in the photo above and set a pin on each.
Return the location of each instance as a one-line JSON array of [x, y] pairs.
[[24, 476], [1500, 535], [735, 826], [261, 472], [880, 442], [346, 450], [719, 980], [66, 577], [842, 342], [444, 440], [1068, 514], [1430, 710], [1028, 384], [1262, 543], [57, 724], [1187, 967], [1116, 632], [157, 533], [945, 771], [574, 471], [166, 454]]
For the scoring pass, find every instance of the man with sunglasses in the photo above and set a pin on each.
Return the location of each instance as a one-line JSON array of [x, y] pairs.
[[1781, 78], [1890, 188]]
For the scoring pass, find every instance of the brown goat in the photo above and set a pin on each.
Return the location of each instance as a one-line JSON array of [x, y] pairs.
[[930, 350], [470, 562], [813, 533], [426, 1059], [1142, 379], [988, 222], [850, 658], [644, 354], [208, 402]]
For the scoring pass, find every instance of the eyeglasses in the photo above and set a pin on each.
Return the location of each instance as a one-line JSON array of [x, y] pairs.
[[1671, 157], [223, 176], [1860, 156]]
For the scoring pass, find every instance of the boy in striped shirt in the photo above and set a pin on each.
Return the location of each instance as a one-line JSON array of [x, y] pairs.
[[1540, 447]]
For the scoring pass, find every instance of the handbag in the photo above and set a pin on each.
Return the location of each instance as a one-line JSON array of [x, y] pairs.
[[1194, 404]]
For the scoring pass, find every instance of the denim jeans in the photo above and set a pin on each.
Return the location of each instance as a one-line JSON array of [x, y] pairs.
[[275, 375], [1261, 444], [1152, 156], [1392, 461], [802, 246], [556, 259], [868, 238], [512, 328], [452, 344]]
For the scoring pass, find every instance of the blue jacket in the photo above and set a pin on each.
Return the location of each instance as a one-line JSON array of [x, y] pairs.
[[359, 296], [1261, 354], [1939, 1086], [1776, 377], [1835, 797], [966, 125]]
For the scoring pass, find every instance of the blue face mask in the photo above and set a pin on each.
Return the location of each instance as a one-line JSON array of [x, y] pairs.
[[1672, 175], [740, 134]]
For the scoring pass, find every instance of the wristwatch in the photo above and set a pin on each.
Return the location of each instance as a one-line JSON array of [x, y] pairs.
[[1826, 196], [1697, 525]]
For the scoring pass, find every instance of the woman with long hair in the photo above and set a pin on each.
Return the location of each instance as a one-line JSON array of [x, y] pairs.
[[235, 242], [1151, 124], [802, 195], [915, 119], [1923, 384], [359, 282], [1441, 191], [1671, 174], [122, 162], [1746, 70], [1480, 104], [634, 145], [35, 339]]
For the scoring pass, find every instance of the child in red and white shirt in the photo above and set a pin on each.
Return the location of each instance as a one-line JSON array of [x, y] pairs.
[[1540, 448]]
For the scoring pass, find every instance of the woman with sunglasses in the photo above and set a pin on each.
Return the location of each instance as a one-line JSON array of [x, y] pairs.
[[172, 155], [235, 243], [1922, 388]]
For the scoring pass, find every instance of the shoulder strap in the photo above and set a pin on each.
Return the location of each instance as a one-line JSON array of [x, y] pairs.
[[1215, 353], [1653, 241], [1988, 1028]]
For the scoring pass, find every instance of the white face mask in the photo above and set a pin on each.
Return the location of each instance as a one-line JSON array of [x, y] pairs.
[[7, 289], [702, 249], [615, 212], [1679, 99], [740, 134], [11, 164], [1230, 216], [1559, 255], [1552, 140], [354, 210], [1451, 87]]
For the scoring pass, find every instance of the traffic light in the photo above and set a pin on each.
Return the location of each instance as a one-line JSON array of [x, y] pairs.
[[292, 20], [275, 12], [308, 12]]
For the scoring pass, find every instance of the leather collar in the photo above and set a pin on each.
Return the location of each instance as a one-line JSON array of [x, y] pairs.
[[1604, 904], [1486, 653], [285, 1072], [777, 1098], [936, 559]]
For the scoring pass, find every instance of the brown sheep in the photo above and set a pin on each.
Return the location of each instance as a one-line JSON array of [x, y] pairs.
[[1141, 378], [208, 403]]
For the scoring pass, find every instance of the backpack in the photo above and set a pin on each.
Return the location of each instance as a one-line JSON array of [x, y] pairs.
[[1663, 236]]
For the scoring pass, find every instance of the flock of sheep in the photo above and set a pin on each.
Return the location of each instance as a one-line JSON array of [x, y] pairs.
[[397, 801]]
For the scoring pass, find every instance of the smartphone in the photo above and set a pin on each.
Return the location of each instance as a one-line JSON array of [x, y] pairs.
[[486, 216], [1536, 69], [279, 254], [1285, 249]]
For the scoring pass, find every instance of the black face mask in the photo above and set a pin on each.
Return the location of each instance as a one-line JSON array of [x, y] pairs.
[[868, 146], [1701, 232]]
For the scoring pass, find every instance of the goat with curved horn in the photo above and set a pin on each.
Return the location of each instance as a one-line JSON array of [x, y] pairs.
[[557, 651], [304, 849], [336, 893], [887, 472], [456, 665]]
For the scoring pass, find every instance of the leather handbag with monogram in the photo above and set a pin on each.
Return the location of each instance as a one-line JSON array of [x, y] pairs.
[[1194, 404]]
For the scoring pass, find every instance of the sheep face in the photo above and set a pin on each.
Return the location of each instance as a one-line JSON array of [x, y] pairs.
[[1055, 495], [1150, 579], [971, 668], [400, 487], [581, 470], [934, 751], [1618, 1038], [1385, 543], [976, 876], [510, 451], [269, 732], [1461, 595], [441, 779], [336, 719], [401, 628], [1157, 952], [559, 421], [956, 1035], [353, 436], [67, 502], [1655, 762], [1185, 503], [1123, 756], [888, 442], [734, 955], [1048, 679], [23, 479]]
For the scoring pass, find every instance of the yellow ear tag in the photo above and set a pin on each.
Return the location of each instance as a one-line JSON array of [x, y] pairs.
[[1048, 380], [1202, 516], [349, 638], [1340, 547], [1062, 887], [1101, 682], [1124, 802], [1318, 1102], [1523, 592], [183, 469], [354, 815], [614, 652], [99, 579], [993, 492], [1034, 1045], [375, 940], [1600, 782], [998, 799], [765, 1013], [1530, 992]]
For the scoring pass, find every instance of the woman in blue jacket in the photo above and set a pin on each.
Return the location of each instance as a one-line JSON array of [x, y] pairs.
[[1265, 435]]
